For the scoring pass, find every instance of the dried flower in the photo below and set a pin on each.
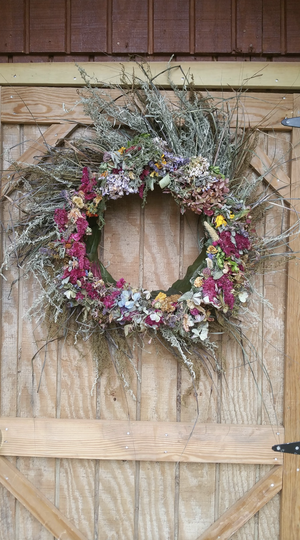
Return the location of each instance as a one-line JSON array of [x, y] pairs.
[[198, 282], [78, 201], [220, 220]]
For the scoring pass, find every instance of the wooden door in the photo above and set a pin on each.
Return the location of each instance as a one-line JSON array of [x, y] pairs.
[[225, 481]]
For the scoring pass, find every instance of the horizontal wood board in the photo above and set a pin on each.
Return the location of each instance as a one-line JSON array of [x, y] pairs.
[[143, 441], [28, 105], [157, 499], [226, 75]]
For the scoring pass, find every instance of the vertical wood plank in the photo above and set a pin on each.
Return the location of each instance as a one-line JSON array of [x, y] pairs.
[[29, 402], [77, 477], [129, 26], [271, 30], [9, 343], [159, 373], [213, 26], [292, 26], [47, 26], [249, 26], [88, 26], [196, 481], [171, 26], [12, 38], [273, 338], [290, 508], [117, 479]]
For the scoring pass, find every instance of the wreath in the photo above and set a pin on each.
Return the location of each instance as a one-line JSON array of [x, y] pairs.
[[187, 149]]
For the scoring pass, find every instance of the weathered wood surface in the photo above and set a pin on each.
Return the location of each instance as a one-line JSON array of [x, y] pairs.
[[290, 528], [35, 151], [253, 75], [246, 507], [44, 105], [36, 503], [145, 441], [157, 500]]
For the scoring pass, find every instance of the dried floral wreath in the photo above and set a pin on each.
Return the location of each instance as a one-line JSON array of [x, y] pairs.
[[186, 147]]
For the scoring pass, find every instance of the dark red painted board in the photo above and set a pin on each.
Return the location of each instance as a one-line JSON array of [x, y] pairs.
[[12, 26], [293, 26], [171, 26], [249, 26], [88, 26], [47, 26], [213, 21], [271, 26], [129, 26]]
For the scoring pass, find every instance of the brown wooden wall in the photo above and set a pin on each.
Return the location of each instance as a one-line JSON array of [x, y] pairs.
[[101, 30]]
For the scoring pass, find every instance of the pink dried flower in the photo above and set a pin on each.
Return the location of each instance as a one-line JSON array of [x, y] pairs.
[[120, 283], [61, 218], [78, 250], [81, 225]]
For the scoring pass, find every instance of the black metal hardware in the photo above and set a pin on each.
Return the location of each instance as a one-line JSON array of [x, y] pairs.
[[288, 448]]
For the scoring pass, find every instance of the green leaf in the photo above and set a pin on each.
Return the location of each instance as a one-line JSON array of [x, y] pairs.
[[182, 286], [164, 182]]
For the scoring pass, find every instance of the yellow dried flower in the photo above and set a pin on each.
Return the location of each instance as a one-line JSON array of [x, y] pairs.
[[232, 216], [160, 297], [220, 220], [122, 150], [78, 201], [212, 249], [198, 282]]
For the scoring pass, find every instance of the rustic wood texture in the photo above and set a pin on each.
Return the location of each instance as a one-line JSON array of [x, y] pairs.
[[245, 508], [157, 499], [36, 503], [272, 172], [148, 441], [290, 528], [252, 75], [111, 29], [48, 105], [36, 148]]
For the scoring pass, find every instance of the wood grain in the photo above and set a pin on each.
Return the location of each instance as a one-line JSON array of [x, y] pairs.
[[36, 146], [253, 75], [245, 508], [272, 172], [30, 105], [153, 441], [37, 504], [290, 528]]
